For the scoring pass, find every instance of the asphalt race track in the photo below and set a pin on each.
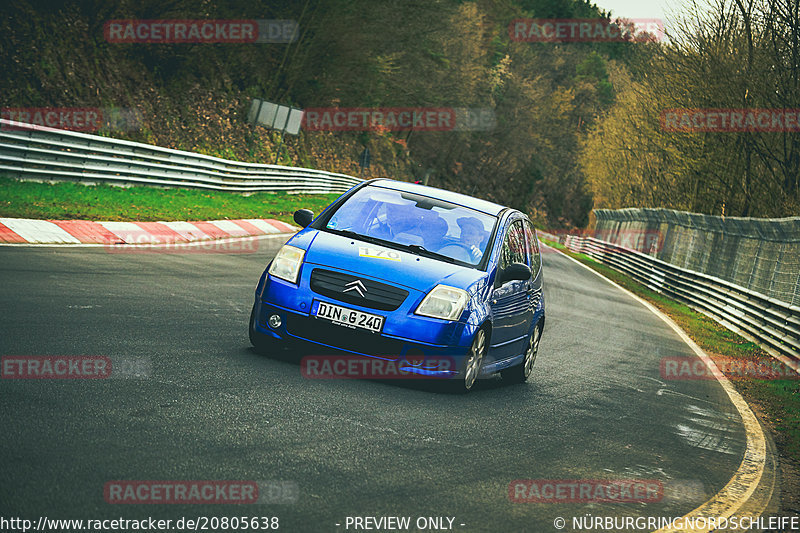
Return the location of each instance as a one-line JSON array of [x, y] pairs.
[[210, 408]]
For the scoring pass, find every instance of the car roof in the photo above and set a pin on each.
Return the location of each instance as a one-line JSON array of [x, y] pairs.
[[484, 206]]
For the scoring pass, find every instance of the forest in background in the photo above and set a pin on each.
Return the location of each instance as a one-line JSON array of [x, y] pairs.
[[576, 123], [739, 55]]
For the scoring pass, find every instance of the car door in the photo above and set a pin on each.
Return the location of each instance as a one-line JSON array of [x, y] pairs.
[[535, 287], [510, 302]]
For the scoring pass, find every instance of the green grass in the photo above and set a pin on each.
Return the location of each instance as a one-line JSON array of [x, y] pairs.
[[776, 401], [75, 201]]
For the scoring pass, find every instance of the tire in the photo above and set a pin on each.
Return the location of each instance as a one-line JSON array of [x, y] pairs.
[[472, 364], [521, 372], [260, 342]]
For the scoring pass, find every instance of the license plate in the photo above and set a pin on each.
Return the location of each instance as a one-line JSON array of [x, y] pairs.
[[350, 318]]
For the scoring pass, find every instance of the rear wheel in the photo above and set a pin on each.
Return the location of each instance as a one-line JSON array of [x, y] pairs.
[[260, 342], [521, 372]]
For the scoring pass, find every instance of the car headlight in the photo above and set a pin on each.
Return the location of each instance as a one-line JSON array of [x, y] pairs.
[[286, 264], [443, 302]]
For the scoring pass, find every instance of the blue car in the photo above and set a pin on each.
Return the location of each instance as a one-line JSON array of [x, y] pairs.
[[441, 284]]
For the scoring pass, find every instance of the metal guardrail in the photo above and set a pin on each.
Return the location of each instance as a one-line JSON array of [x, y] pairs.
[[28, 151], [771, 323], [761, 254]]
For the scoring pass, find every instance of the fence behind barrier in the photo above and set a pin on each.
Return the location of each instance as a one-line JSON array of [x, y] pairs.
[[758, 254]]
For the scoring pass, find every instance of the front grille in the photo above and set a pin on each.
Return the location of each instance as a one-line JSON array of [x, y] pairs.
[[318, 330], [376, 295]]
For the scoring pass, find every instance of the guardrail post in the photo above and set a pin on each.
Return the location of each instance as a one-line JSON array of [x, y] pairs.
[[755, 264], [775, 270]]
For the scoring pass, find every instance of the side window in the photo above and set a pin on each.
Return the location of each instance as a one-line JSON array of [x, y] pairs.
[[514, 246], [533, 249]]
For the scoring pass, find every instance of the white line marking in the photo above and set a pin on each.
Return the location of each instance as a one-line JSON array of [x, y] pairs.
[[284, 236], [187, 230], [38, 231], [230, 227], [263, 225], [127, 232]]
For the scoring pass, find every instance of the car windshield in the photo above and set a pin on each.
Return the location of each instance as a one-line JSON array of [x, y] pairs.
[[419, 223]]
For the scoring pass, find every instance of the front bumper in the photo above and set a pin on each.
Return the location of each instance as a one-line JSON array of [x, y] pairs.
[[420, 345]]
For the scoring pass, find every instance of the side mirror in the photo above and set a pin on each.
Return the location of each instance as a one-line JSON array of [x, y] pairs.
[[303, 217], [515, 271]]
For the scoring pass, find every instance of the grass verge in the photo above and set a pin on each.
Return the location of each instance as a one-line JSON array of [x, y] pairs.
[[75, 201], [777, 402]]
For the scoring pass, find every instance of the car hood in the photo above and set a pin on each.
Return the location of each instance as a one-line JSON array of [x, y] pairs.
[[381, 262]]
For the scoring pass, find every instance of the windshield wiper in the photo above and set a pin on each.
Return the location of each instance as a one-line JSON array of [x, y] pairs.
[[354, 235], [346, 233], [421, 250]]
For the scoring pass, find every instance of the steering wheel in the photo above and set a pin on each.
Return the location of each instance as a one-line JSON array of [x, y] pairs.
[[456, 252], [380, 229]]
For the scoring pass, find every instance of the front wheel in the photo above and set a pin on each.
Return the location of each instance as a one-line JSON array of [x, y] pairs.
[[472, 364], [521, 372]]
